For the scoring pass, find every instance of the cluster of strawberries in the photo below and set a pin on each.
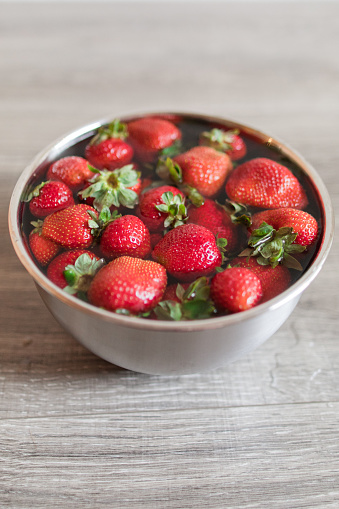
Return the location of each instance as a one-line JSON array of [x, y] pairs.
[[135, 227]]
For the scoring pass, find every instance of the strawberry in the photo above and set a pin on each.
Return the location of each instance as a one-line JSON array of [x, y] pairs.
[[188, 252], [71, 227], [236, 289], [149, 135], [125, 236], [57, 267], [274, 280], [204, 168], [72, 170], [44, 250], [264, 183], [161, 207], [186, 302], [113, 188], [48, 197], [225, 141], [302, 223], [128, 285], [108, 148], [214, 217]]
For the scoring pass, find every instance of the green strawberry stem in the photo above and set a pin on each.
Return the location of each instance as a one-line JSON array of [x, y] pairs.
[[170, 171], [37, 226], [194, 303], [218, 139], [174, 207], [171, 151], [115, 129], [79, 276], [33, 193], [112, 188], [238, 212], [271, 247], [99, 223]]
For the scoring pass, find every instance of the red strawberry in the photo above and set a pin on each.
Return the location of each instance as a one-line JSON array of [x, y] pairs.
[[205, 169], [112, 188], [188, 252], [125, 236], [108, 149], [49, 197], [236, 289], [274, 280], [161, 207], [56, 269], [70, 227], [155, 238], [225, 141], [72, 170], [217, 220], [301, 222], [44, 250], [265, 183], [128, 284], [149, 135]]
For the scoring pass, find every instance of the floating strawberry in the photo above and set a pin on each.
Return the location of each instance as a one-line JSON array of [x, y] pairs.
[[205, 169], [48, 197], [149, 135], [71, 227], [188, 252], [161, 207], [72, 170], [264, 183], [44, 250], [225, 141], [274, 280], [113, 188], [236, 289], [186, 302], [125, 236], [108, 148], [84, 269], [302, 223], [214, 217], [128, 285]]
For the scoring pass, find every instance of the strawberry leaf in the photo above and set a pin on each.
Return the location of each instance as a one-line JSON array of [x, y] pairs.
[[218, 139], [79, 276], [115, 129]]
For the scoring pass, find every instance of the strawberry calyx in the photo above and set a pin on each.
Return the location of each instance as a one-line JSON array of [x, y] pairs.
[[175, 209], [168, 170], [271, 247], [79, 276], [172, 150], [37, 226], [194, 303], [112, 187], [33, 193], [219, 139], [115, 129], [238, 212], [99, 223]]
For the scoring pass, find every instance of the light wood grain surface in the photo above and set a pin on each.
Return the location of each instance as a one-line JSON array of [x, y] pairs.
[[78, 432]]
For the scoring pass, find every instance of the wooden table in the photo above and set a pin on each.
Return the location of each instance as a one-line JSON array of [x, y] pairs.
[[78, 432]]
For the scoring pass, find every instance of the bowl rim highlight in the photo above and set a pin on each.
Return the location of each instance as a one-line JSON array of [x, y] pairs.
[[50, 153]]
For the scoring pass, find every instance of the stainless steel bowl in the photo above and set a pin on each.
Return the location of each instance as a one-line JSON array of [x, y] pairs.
[[161, 347]]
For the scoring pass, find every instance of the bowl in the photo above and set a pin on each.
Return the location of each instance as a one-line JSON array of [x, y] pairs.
[[159, 346]]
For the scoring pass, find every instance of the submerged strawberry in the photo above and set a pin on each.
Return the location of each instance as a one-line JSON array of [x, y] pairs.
[[302, 223], [108, 148], [149, 135], [44, 250], [274, 280], [236, 289], [70, 227], [205, 169], [161, 207], [113, 188], [188, 252], [128, 285], [49, 197], [125, 236], [72, 170], [82, 273], [226, 141], [264, 183]]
